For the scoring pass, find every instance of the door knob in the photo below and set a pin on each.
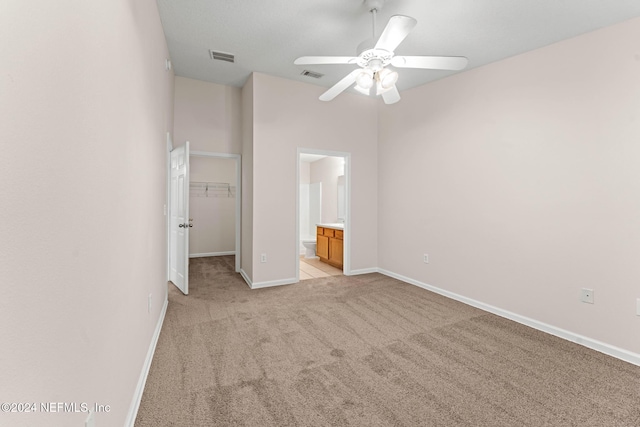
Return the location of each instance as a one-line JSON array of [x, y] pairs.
[[180, 225]]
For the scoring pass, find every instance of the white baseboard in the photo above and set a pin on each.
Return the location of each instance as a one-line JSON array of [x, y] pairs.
[[363, 271], [258, 285], [206, 254], [618, 353], [268, 284], [246, 278], [137, 397]]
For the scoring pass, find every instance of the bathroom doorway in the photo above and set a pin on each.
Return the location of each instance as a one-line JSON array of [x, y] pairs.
[[322, 214]]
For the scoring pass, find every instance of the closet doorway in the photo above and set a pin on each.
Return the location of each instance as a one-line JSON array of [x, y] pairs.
[[214, 205]]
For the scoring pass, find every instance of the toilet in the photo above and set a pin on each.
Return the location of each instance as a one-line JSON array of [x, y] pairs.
[[309, 242]]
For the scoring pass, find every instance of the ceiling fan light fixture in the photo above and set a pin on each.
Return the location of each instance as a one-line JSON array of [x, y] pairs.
[[366, 92], [365, 79], [379, 89], [387, 78]]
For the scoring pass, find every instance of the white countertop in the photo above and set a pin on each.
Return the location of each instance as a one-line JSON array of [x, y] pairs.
[[336, 225]]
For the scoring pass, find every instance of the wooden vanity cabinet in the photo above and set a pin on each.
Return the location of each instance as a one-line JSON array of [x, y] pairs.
[[322, 247], [330, 246]]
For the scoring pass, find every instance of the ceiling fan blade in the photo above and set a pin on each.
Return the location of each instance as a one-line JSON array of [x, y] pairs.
[[396, 30], [391, 96], [343, 84], [430, 62], [316, 60]]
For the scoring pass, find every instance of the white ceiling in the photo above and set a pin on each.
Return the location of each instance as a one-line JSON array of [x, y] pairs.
[[267, 36]]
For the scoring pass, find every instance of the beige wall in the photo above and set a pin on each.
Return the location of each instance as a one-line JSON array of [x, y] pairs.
[[208, 115], [520, 179], [85, 107], [288, 115], [214, 220]]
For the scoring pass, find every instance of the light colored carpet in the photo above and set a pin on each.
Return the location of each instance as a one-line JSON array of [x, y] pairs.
[[367, 351]]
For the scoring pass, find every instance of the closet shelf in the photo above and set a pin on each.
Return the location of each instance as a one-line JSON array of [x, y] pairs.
[[211, 189]]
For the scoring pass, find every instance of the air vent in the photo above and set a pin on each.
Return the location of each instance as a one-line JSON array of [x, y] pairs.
[[311, 74], [222, 56]]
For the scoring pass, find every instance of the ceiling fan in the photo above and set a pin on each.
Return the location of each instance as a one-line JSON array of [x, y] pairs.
[[374, 58]]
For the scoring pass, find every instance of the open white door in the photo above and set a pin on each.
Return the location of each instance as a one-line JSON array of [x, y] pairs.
[[179, 215]]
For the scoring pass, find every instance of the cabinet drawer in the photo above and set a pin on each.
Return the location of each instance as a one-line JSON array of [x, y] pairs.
[[320, 230], [339, 234], [328, 232]]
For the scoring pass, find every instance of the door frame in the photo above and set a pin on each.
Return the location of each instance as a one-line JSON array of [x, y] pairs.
[[346, 269], [238, 160]]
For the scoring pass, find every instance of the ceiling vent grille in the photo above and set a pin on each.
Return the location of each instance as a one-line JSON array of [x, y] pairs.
[[312, 74], [222, 56]]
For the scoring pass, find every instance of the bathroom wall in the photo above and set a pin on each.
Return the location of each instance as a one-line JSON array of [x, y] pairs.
[[520, 179], [304, 213], [305, 171], [327, 171], [213, 211], [310, 203]]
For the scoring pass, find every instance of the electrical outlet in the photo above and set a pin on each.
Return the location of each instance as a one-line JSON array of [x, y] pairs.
[[263, 258], [587, 295], [638, 306], [149, 303], [425, 258]]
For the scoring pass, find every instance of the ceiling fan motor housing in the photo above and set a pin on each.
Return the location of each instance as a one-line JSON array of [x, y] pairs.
[[374, 59]]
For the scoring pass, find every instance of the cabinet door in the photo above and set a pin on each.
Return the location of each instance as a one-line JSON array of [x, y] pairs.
[[322, 247], [336, 251]]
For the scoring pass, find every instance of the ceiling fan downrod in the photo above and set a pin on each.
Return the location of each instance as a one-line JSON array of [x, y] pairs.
[[374, 6], [373, 13], [374, 60]]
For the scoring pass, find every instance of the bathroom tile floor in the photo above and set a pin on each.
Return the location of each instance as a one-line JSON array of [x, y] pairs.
[[314, 268]]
